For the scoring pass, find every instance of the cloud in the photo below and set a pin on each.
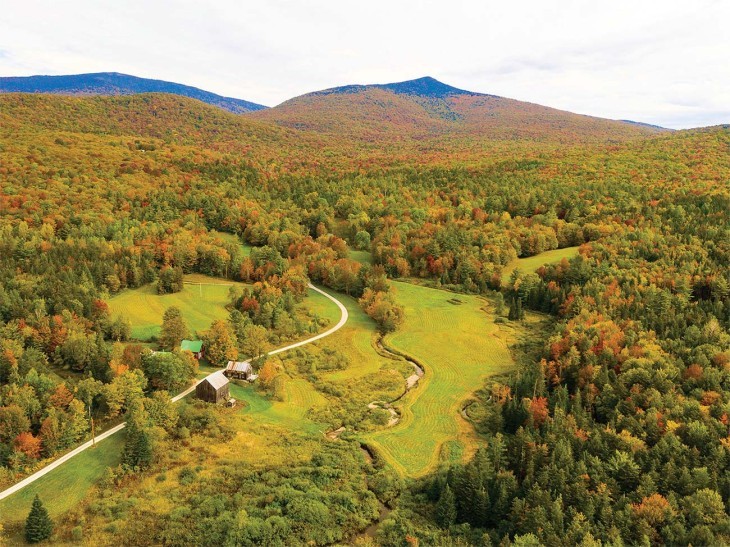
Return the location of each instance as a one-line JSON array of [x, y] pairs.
[[621, 59]]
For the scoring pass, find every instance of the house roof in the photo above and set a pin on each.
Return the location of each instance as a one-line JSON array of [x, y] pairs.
[[217, 380], [192, 345], [239, 366]]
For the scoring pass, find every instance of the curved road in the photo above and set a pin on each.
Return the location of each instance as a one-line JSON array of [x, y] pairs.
[[63, 459]]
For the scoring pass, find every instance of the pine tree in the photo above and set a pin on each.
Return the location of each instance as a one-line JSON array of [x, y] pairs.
[[482, 509], [138, 450], [446, 508], [513, 314], [38, 525], [519, 312], [499, 304]]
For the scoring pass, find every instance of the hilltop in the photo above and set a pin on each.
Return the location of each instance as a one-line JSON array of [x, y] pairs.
[[114, 83], [426, 108]]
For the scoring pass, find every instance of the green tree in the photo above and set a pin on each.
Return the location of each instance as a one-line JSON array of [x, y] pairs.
[[138, 449], [168, 371], [174, 330], [221, 344], [255, 342], [38, 525], [170, 280], [446, 508], [499, 305]]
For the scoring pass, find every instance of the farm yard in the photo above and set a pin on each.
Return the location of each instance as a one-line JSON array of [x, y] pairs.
[[460, 346]]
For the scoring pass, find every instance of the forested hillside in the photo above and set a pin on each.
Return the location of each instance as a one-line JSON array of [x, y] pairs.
[[614, 429], [113, 83], [436, 114]]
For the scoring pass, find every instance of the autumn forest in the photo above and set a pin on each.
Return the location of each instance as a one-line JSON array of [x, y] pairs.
[[589, 401]]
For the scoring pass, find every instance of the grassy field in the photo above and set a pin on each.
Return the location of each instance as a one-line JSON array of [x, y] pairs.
[[460, 345], [200, 305], [232, 238], [532, 263], [363, 257], [66, 485], [299, 397]]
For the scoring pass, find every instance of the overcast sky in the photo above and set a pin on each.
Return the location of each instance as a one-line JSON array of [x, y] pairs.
[[664, 62]]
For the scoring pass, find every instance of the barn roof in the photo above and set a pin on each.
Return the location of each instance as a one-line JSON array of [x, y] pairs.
[[239, 366], [192, 345], [217, 380]]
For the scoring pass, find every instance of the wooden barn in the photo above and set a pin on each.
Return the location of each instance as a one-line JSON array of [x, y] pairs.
[[194, 346], [214, 388], [241, 370]]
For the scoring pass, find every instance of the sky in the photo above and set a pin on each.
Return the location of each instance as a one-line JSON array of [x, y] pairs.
[[661, 62]]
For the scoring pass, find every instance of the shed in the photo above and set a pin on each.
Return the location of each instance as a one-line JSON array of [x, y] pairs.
[[241, 370], [213, 388], [194, 346]]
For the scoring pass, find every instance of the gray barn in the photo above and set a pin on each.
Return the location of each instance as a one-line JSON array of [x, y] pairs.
[[213, 388]]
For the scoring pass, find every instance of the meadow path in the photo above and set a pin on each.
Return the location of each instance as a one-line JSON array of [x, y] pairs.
[[63, 459]]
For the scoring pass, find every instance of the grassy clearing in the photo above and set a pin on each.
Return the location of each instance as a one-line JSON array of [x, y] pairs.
[[232, 238], [460, 346], [200, 305], [64, 487], [300, 396], [322, 306], [356, 341], [363, 257], [532, 263]]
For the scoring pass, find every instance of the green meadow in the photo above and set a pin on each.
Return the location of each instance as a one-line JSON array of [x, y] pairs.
[[532, 263], [202, 300], [64, 487], [459, 345]]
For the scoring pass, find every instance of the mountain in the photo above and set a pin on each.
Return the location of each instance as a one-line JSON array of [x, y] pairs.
[[426, 108], [113, 83], [423, 87]]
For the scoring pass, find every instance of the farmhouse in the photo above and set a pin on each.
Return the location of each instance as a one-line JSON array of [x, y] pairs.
[[213, 389], [194, 346], [240, 370]]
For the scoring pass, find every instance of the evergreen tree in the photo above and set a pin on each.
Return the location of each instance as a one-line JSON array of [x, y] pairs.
[[499, 304], [38, 525], [519, 312], [512, 314], [446, 508], [138, 450]]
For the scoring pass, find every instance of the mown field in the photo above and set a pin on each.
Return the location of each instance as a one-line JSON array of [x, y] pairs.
[[532, 263], [202, 300], [299, 397], [64, 487], [459, 345]]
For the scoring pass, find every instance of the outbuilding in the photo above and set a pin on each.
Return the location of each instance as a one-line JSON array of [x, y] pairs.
[[194, 346], [214, 388], [241, 370]]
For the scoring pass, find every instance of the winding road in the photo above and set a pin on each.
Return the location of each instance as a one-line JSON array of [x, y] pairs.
[[63, 459]]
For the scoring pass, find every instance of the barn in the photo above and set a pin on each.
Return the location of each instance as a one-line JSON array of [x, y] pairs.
[[213, 388], [194, 346], [240, 370]]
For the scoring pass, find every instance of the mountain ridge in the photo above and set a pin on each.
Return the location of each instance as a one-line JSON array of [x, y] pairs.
[[426, 108], [116, 83]]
